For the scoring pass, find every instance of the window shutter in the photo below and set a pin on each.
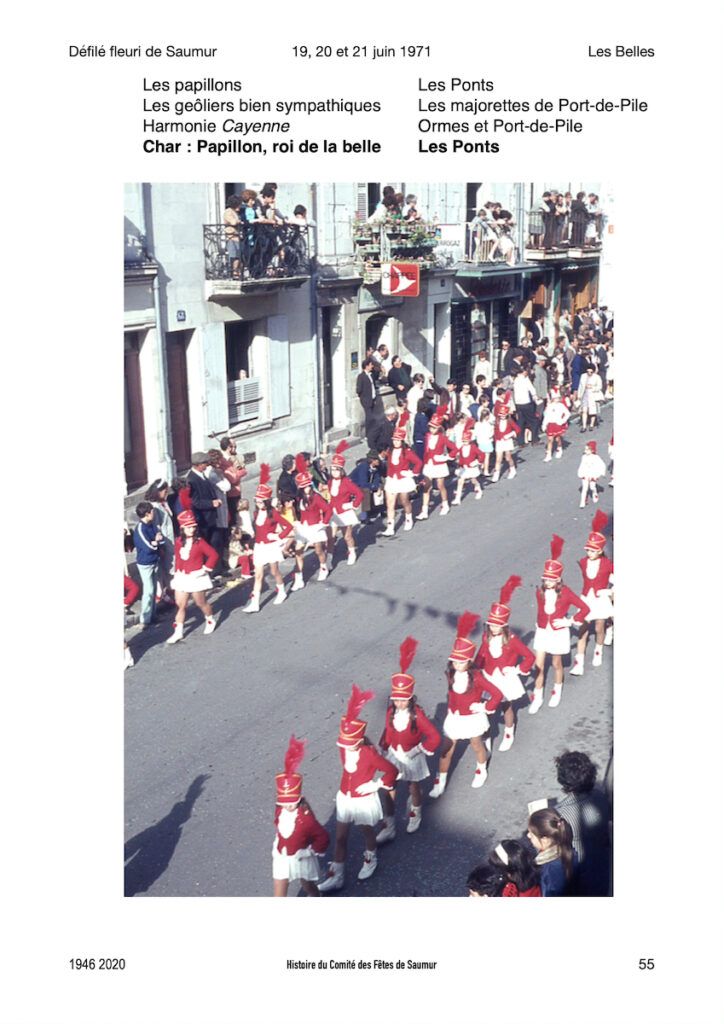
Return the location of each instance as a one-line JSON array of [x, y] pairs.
[[279, 375], [214, 350], [244, 399]]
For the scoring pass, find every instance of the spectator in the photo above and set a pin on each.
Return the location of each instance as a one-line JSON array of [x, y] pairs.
[[416, 393], [399, 379], [234, 470], [577, 366], [287, 484], [482, 366], [367, 393], [505, 357], [525, 400], [587, 812], [515, 862], [148, 540], [367, 476], [382, 434], [550, 835], [204, 500], [231, 231], [383, 359], [579, 222], [590, 395], [485, 881], [157, 494]]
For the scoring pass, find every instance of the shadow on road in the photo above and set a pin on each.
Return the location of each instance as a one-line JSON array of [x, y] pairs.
[[148, 854]]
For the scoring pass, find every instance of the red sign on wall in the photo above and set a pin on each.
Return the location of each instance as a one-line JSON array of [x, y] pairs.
[[402, 279]]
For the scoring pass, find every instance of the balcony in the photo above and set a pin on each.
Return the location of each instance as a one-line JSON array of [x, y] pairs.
[[264, 257], [377, 244], [553, 238], [136, 261]]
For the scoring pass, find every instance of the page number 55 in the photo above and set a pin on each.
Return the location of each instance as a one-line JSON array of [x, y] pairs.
[[646, 964]]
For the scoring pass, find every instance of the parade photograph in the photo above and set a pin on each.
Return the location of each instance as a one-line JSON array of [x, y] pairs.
[[368, 539]]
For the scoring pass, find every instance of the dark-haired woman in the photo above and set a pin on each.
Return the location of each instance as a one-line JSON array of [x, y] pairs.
[[551, 837], [408, 739], [269, 530], [195, 559], [467, 715], [516, 863], [484, 881]]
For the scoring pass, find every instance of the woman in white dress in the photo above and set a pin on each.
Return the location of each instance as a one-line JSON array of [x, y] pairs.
[[590, 395]]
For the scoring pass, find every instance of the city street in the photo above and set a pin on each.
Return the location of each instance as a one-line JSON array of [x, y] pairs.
[[208, 720]]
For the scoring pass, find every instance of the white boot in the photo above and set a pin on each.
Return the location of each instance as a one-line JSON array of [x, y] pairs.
[[128, 661], [556, 694], [445, 507], [253, 605], [583, 497], [608, 638], [178, 633], [495, 477], [597, 659], [456, 501], [559, 453], [512, 472], [414, 817], [351, 556], [536, 703], [478, 493], [424, 513], [369, 866], [298, 581], [508, 736], [334, 879], [408, 523], [439, 788], [548, 457], [323, 573], [480, 777], [281, 594], [210, 625], [578, 666], [388, 831], [389, 530], [594, 490]]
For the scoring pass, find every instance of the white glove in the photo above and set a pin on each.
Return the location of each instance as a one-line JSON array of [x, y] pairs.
[[415, 752], [369, 787], [477, 707], [562, 623], [605, 593]]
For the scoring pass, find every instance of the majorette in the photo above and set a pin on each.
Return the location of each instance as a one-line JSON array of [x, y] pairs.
[[311, 529], [358, 800], [504, 434], [553, 627], [503, 658], [402, 467], [555, 423], [590, 469], [408, 739], [467, 715], [345, 497], [269, 530], [438, 450], [299, 836], [597, 590], [470, 459], [194, 561]]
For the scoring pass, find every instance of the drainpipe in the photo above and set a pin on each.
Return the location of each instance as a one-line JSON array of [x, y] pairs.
[[314, 316]]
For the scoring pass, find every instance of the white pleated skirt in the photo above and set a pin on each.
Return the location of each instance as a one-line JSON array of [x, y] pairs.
[[348, 517], [411, 769], [359, 810], [506, 445], [400, 484], [266, 552], [292, 866], [310, 533], [436, 470], [465, 727], [552, 641], [191, 582], [601, 607], [508, 682]]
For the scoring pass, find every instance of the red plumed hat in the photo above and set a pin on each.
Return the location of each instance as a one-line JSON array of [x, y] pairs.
[[402, 682], [468, 427], [187, 518], [303, 477], [289, 782], [592, 446], [338, 457], [351, 729], [499, 614], [553, 569], [464, 648], [504, 405], [264, 491], [596, 539], [436, 420], [400, 431]]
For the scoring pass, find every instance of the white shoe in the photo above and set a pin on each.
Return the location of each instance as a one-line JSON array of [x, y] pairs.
[[414, 819], [478, 494], [556, 694], [480, 777], [369, 866], [253, 605], [559, 453], [608, 638], [323, 573], [128, 661], [597, 659], [408, 523], [508, 737], [351, 556], [388, 831], [210, 625], [512, 473], [578, 666], [389, 530], [439, 788], [334, 879], [595, 496], [537, 702], [281, 595], [494, 478], [178, 634], [548, 457], [445, 508], [298, 581], [455, 501], [423, 515]]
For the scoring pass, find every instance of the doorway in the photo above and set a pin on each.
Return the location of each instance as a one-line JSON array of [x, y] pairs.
[[178, 397], [134, 441]]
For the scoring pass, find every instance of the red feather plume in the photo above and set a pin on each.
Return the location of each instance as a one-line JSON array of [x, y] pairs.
[[404, 417], [341, 447], [466, 624], [599, 521], [408, 649], [556, 546], [294, 755], [507, 398], [264, 473], [358, 700], [510, 585], [300, 464]]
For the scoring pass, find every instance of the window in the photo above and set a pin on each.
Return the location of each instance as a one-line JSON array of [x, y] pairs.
[[243, 389]]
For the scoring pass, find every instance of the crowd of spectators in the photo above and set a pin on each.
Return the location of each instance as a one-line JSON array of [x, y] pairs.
[[490, 235], [260, 240], [558, 220]]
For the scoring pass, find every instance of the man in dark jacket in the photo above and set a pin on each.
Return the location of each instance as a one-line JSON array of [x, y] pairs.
[[382, 434], [368, 478], [204, 499], [287, 484], [368, 397]]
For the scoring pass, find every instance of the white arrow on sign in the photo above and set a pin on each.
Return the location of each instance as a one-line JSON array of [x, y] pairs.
[[402, 282]]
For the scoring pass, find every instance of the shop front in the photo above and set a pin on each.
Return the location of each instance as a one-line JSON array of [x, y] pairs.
[[485, 311]]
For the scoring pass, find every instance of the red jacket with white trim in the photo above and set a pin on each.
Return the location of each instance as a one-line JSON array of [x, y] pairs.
[[566, 599], [461, 702], [472, 458], [508, 429], [370, 762], [347, 496], [602, 578], [267, 532], [424, 734], [408, 465], [307, 832], [315, 510], [201, 556], [512, 652], [438, 448]]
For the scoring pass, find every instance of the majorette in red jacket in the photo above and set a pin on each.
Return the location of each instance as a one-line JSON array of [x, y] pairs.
[[315, 510], [511, 889], [438, 448], [505, 427], [472, 457], [307, 832], [348, 494], [424, 734], [131, 590], [407, 463], [201, 556], [461, 702], [512, 652], [370, 762], [267, 532], [566, 599], [602, 577]]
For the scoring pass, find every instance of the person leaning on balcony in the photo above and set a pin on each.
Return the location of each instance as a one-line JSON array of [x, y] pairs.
[[386, 209], [579, 220], [231, 232]]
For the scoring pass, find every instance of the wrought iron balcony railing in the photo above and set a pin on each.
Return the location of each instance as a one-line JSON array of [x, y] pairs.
[[256, 251]]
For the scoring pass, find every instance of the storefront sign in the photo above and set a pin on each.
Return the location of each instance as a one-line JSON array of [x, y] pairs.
[[401, 279]]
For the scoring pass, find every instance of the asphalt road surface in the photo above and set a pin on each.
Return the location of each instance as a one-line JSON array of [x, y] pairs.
[[208, 720]]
